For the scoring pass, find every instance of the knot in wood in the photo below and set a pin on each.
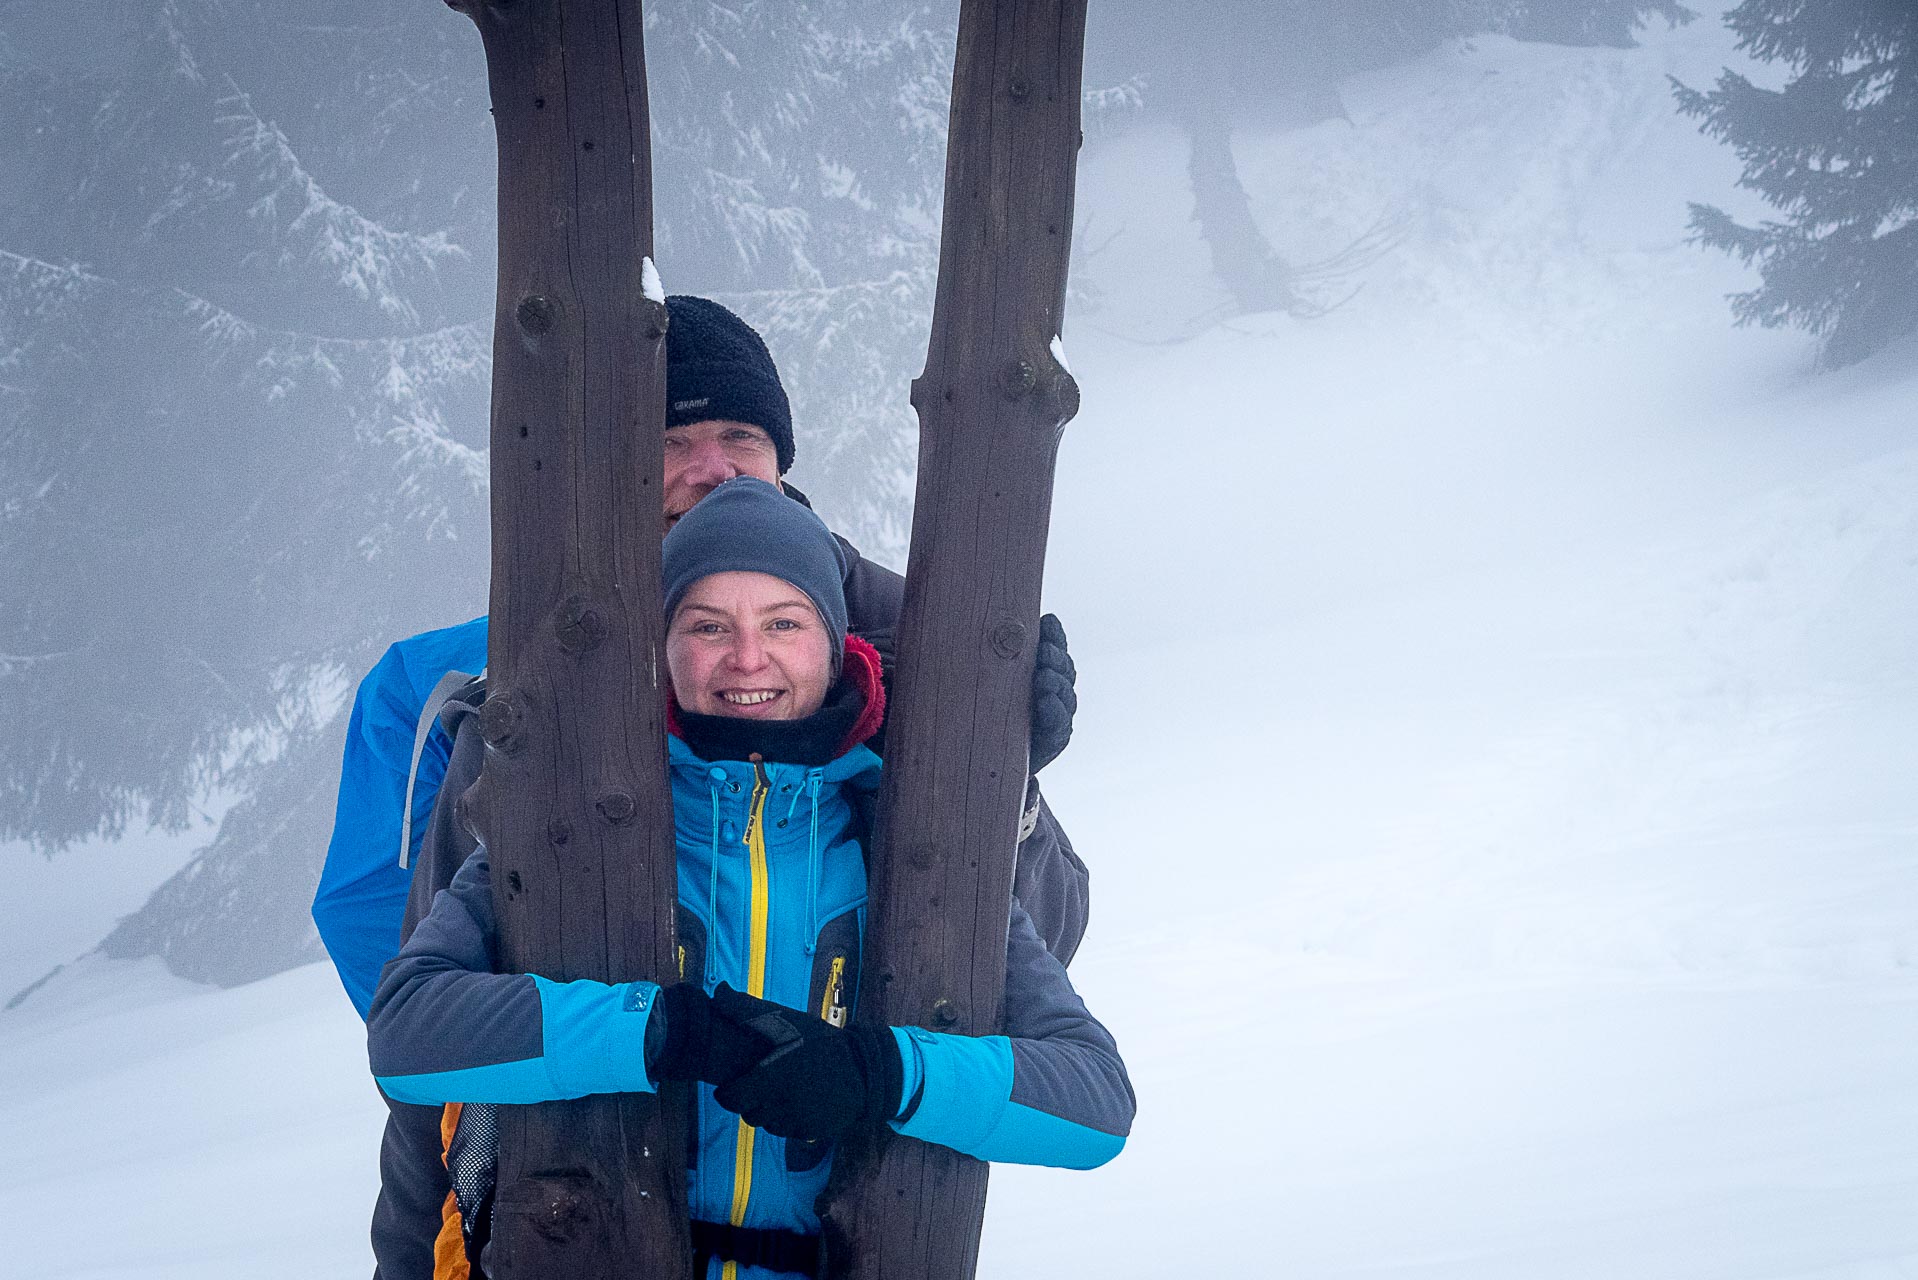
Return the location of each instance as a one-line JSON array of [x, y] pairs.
[[562, 1215], [578, 625], [1009, 639], [616, 807], [559, 831], [945, 1015], [1018, 379], [501, 724], [653, 319], [1020, 88], [1062, 397], [535, 315]]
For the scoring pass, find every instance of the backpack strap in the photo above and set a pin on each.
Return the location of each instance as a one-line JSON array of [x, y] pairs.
[[449, 683]]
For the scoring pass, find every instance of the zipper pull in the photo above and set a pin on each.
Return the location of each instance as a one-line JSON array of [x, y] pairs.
[[833, 1007]]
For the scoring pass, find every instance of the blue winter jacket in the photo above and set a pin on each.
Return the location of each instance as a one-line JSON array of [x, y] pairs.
[[772, 894]]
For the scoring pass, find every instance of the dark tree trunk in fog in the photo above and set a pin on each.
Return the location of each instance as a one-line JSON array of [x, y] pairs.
[[573, 802], [1242, 258], [1590, 22], [992, 403]]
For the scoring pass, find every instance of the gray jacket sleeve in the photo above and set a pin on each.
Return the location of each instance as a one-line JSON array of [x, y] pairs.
[[1051, 1091], [445, 1028], [1050, 881]]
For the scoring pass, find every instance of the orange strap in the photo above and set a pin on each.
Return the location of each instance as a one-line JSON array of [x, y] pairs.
[[449, 1249]]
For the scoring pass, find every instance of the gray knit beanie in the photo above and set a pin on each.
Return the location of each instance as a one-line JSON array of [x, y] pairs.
[[748, 525]]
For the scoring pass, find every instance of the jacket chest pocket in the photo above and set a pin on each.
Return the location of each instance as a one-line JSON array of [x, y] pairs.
[[835, 986], [692, 945], [835, 969]]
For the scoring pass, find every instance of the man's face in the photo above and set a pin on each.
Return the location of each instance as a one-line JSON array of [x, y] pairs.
[[701, 456]]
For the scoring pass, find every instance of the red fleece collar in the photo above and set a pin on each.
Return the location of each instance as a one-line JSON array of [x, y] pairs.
[[861, 666]]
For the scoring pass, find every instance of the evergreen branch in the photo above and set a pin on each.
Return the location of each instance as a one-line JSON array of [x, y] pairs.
[[218, 320], [1709, 225], [370, 259], [8, 661], [44, 271], [185, 64]]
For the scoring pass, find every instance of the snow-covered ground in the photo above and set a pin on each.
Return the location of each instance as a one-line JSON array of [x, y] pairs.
[[1496, 763]]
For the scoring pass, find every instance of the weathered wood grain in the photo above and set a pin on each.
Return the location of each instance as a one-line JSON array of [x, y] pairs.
[[992, 404], [573, 803]]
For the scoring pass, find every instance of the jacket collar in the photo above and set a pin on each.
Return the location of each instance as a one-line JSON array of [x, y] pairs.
[[860, 667]]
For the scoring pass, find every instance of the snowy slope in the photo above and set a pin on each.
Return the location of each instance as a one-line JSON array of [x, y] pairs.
[[1495, 761], [58, 908], [171, 1132]]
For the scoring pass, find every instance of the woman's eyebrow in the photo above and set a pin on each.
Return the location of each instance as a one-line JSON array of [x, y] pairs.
[[691, 607]]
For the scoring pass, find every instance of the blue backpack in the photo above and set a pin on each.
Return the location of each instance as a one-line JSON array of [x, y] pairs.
[[395, 760]]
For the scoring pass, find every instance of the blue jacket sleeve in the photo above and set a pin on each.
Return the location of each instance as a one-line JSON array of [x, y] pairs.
[[362, 891], [1051, 1091], [445, 1028]]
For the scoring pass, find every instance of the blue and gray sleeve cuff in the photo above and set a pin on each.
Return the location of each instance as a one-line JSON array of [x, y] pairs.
[[587, 1038], [966, 1099]]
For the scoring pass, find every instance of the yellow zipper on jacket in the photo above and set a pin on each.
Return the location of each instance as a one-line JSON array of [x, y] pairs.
[[760, 894], [832, 1006]]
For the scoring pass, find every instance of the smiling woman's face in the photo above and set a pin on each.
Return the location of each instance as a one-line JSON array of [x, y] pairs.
[[748, 645]]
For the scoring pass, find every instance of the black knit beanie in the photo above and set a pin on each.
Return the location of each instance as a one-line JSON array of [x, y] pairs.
[[717, 366], [749, 525]]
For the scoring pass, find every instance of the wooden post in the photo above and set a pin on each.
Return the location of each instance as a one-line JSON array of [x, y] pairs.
[[992, 402], [572, 801]]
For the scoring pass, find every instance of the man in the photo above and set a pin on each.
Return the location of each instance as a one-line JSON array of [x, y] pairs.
[[403, 774]]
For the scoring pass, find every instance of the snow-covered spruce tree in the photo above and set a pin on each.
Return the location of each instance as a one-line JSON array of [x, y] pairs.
[[1836, 151], [240, 417]]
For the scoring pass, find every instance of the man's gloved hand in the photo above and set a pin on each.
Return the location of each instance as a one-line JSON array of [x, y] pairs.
[[1054, 699], [684, 1041], [814, 1080]]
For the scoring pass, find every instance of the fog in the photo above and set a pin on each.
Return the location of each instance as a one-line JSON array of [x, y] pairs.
[[1496, 681]]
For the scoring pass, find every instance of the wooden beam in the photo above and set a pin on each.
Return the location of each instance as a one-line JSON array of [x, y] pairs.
[[992, 403], [573, 803]]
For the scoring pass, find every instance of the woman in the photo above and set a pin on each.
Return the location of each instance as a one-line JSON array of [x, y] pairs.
[[773, 704]]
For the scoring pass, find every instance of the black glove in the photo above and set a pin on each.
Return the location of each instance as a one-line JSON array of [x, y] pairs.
[[815, 1080], [1054, 700], [684, 1041]]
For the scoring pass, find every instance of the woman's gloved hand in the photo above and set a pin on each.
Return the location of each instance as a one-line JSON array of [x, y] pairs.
[[812, 1080], [684, 1041]]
